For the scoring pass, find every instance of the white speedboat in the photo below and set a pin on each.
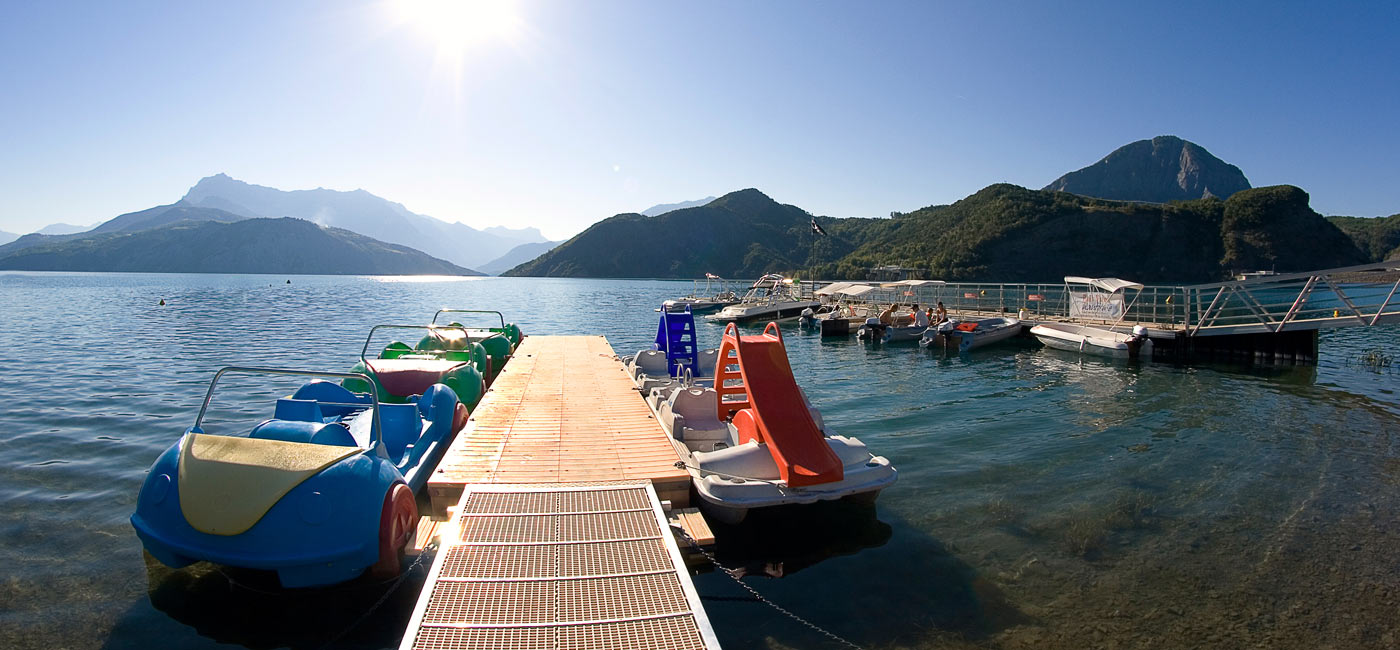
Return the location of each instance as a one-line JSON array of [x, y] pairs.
[[771, 298], [965, 335], [1094, 340], [715, 295], [753, 440]]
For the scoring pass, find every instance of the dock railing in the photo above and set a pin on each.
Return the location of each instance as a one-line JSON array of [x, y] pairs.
[[1353, 296]]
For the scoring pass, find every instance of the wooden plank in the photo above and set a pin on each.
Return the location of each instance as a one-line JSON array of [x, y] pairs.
[[693, 523]]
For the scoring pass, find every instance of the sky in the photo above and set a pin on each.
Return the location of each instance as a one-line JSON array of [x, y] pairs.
[[557, 114]]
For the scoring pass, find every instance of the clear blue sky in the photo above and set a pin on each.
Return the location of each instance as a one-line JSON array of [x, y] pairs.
[[558, 114]]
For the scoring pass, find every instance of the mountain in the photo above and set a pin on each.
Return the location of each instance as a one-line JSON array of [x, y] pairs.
[[1005, 232], [1165, 168], [1001, 233], [741, 234], [7, 237], [61, 229], [1378, 237], [361, 212], [259, 245], [162, 215], [517, 256], [669, 207]]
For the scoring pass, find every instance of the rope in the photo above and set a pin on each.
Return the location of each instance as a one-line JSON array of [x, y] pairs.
[[680, 464], [733, 575]]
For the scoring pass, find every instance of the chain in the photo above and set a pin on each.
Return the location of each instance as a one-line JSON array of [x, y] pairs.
[[733, 575], [369, 612]]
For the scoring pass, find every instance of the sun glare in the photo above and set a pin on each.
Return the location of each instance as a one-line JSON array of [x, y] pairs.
[[456, 25]]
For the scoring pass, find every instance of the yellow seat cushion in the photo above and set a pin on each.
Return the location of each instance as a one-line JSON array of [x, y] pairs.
[[227, 484]]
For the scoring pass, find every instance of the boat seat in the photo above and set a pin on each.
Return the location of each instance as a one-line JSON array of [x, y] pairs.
[[406, 377], [401, 427], [705, 363], [692, 418], [649, 363], [301, 410], [316, 433]]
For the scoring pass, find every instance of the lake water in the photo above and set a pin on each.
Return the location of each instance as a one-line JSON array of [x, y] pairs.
[[1043, 501]]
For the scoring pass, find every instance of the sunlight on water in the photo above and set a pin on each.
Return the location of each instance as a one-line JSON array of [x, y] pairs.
[[1044, 500]]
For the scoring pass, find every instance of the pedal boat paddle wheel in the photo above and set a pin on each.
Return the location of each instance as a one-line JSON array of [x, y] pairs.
[[319, 493], [753, 440]]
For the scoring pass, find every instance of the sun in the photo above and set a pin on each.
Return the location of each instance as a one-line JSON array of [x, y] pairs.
[[455, 26]]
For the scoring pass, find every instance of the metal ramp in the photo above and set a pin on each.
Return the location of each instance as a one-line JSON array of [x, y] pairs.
[[557, 566]]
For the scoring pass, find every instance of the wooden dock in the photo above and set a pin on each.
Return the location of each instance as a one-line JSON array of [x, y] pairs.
[[562, 411], [558, 536]]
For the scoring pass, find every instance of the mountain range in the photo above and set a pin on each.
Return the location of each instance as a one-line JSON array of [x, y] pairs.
[[220, 198], [364, 213], [256, 245], [663, 208], [1002, 232]]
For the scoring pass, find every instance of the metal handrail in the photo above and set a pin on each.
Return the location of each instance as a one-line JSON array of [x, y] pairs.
[[365, 350], [374, 431], [470, 311]]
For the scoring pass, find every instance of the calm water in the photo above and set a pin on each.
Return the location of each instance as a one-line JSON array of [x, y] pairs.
[[1042, 502]]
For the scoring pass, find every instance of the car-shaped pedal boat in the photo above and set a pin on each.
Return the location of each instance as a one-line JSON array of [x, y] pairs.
[[500, 341], [400, 372], [319, 493]]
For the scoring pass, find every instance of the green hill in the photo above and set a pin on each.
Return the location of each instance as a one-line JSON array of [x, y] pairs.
[[741, 234], [1003, 232], [1379, 238], [283, 246]]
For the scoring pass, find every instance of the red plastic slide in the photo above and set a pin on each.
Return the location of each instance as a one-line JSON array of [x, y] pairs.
[[767, 406]]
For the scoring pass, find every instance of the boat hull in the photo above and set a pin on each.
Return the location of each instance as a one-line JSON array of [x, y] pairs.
[[1092, 340], [780, 312], [989, 331]]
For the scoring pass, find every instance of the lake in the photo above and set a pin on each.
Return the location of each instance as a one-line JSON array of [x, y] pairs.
[[1044, 501]]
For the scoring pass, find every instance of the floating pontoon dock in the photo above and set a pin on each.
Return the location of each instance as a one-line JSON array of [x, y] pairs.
[[562, 411], [558, 537]]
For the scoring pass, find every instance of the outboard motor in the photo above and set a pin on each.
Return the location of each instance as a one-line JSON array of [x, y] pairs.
[[872, 330], [808, 318], [1135, 341]]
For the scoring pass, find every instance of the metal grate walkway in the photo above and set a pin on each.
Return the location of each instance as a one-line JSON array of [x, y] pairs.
[[526, 567]]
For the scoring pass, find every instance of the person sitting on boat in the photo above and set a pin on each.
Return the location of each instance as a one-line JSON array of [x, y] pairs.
[[920, 317], [887, 316], [929, 315], [942, 313]]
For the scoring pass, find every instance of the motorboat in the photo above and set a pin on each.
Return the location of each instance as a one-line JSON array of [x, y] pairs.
[[839, 315], [900, 329], [753, 440], [1103, 301], [965, 335], [1095, 340], [715, 295], [398, 373], [770, 298], [319, 493]]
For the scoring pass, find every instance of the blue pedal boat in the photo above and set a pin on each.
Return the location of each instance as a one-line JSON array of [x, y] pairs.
[[319, 493]]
